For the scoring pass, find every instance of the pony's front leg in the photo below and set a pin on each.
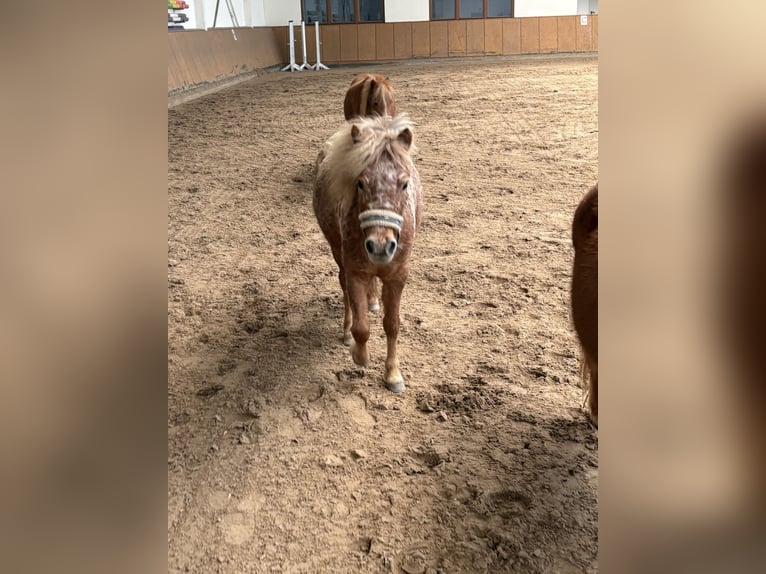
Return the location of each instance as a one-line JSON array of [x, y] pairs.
[[356, 289], [346, 309], [392, 296]]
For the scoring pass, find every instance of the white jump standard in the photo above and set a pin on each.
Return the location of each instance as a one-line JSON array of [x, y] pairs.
[[305, 65], [292, 66], [319, 65]]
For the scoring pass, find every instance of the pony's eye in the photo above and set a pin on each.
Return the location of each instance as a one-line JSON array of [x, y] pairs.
[[404, 185], [360, 185]]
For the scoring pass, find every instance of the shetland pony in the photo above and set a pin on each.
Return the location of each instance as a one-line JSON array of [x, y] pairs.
[[368, 202], [369, 94], [585, 290]]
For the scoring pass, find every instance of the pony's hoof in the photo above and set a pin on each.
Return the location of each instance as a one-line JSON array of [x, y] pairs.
[[360, 358], [373, 306], [348, 338], [395, 384], [396, 387]]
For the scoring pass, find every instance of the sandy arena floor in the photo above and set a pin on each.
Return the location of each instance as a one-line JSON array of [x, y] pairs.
[[285, 457]]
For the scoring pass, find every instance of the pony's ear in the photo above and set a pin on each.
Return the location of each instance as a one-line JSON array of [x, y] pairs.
[[405, 138], [359, 135]]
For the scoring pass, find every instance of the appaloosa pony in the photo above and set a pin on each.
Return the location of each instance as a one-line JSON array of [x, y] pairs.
[[368, 201], [585, 290], [368, 95]]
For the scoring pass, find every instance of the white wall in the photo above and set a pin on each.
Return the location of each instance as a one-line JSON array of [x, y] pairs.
[[278, 12], [587, 6], [224, 21], [254, 15], [248, 12], [407, 10], [524, 8]]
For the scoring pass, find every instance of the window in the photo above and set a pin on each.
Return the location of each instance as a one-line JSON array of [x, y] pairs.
[[342, 11], [314, 11], [442, 9], [370, 10], [451, 9], [471, 8], [499, 9]]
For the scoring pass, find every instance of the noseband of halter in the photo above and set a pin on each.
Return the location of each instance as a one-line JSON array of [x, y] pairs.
[[381, 218]]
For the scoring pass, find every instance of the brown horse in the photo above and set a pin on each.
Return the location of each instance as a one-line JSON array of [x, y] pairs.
[[368, 201], [585, 289], [369, 94]]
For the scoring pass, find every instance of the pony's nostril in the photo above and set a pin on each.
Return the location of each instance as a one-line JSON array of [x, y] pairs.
[[390, 248], [369, 245]]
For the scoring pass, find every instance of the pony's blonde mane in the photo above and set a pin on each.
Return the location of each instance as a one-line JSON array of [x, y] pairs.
[[341, 161]]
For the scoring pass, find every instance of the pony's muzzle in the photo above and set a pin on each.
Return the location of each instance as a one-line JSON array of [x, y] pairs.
[[381, 247], [380, 250], [382, 228]]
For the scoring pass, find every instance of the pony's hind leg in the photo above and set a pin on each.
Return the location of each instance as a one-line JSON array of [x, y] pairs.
[[392, 295], [372, 296]]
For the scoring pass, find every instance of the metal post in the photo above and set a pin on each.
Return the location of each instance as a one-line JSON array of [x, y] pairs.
[[319, 65], [305, 65], [292, 66]]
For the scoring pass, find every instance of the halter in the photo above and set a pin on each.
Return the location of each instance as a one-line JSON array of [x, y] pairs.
[[381, 218]]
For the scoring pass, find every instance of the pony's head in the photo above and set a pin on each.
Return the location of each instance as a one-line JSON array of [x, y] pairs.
[[381, 97], [383, 187]]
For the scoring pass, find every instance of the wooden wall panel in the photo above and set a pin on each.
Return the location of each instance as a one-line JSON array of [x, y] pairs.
[[280, 36], [330, 36], [384, 42], [439, 39], [311, 47], [421, 39], [493, 36], [457, 38], [549, 41], [530, 35], [566, 40], [511, 36], [173, 78], [198, 57], [594, 18], [474, 34], [583, 35], [403, 40], [349, 49], [366, 42]]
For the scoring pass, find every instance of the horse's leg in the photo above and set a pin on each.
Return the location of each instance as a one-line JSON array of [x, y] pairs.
[[372, 296], [346, 309], [593, 390], [356, 290], [392, 296]]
